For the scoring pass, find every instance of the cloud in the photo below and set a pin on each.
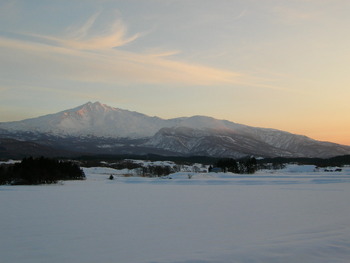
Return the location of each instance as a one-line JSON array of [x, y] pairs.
[[87, 55], [84, 37], [42, 62], [76, 32], [156, 52], [105, 66], [241, 14]]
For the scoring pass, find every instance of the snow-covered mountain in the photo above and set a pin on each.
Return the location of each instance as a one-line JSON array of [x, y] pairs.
[[90, 119], [98, 128], [100, 120], [209, 142], [242, 142]]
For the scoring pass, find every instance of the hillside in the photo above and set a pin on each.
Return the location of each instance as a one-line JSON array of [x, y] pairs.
[[95, 128]]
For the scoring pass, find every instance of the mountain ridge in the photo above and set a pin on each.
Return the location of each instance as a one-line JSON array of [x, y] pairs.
[[119, 129]]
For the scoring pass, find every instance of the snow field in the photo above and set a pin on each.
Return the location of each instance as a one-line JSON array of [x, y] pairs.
[[285, 216]]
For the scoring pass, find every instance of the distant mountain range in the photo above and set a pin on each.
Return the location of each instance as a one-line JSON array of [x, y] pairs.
[[95, 128]]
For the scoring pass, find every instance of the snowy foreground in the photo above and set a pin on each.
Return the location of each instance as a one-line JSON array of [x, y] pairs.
[[293, 215]]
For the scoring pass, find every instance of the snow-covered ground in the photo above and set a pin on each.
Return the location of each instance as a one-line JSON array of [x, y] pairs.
[[293, 215]]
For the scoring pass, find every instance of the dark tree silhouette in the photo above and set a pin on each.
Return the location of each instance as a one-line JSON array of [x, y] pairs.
[[244, 166], [40, 171]]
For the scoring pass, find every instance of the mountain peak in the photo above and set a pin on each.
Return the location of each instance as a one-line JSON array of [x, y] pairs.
[[198, 134], [97, 106]]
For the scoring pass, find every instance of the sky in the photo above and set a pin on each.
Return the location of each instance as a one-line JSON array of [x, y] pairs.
[[281, 64]]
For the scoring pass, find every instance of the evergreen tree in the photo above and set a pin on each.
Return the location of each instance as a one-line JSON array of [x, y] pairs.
[[40, 171]]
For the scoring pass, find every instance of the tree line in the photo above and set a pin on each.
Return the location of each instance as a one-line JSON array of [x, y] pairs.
[[243, 166], [33, 171], [320, 162]]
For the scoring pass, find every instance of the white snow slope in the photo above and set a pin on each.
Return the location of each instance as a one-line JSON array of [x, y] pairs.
[[295, 215], [186, 135]]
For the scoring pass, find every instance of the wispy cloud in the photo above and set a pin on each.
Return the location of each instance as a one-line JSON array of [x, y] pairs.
[[241, 14], [69, 57], [106, 66], [85, 38], [157, 52], [79, 32]]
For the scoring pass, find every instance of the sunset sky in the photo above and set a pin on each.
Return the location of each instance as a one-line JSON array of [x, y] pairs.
[[282, 64]]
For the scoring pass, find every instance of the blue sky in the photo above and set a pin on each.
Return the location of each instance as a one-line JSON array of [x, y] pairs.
[[280, 64]]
